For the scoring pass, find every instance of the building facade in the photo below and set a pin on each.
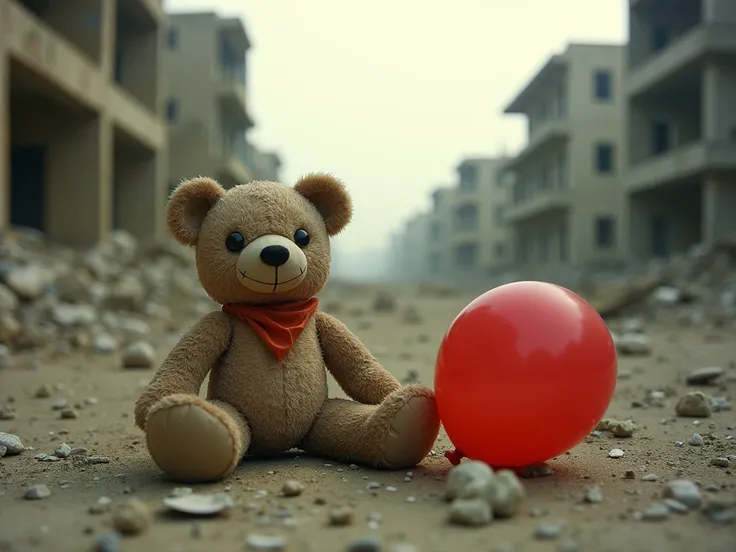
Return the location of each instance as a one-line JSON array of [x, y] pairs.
[[208, 116], [479, 240], [82, 138], [408, 258], [567, 204], [681, 124]]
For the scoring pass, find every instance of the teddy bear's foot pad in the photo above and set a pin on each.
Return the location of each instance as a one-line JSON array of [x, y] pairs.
[[412, 433], [193, 440]]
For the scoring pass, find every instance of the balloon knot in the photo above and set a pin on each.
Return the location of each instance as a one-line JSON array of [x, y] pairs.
[[454, 456]]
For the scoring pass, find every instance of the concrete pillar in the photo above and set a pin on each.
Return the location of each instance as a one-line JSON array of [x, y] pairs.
[[79, 183], [108, 23], [719, 11], [4, 138], [140, 192], [719, 89], [719, 206], [639, 232]]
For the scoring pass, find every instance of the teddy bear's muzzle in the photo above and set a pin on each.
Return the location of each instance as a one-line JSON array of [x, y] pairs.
[[271, 264]]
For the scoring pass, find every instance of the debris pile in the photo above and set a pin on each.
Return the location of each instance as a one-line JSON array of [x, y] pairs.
[[104, 300], [477, 494], [697, 288]]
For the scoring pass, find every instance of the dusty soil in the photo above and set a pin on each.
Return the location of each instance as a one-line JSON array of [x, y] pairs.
[[404, 510]]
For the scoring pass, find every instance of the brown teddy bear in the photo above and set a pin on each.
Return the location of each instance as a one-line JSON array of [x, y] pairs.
[[262, 251]]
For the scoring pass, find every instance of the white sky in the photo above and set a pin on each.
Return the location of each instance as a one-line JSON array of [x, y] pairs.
[[389, 95]]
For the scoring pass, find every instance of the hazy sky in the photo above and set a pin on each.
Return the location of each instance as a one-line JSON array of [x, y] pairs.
[[389, 95]]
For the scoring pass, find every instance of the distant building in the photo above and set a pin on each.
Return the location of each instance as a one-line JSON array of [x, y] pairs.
[[207, 109], [265, 165], [681, 124], [568, 200], [478, 238], [408, 260], [82, 141], [438, 246]]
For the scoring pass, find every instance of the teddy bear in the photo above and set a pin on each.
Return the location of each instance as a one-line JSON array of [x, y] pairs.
[[262, 252]]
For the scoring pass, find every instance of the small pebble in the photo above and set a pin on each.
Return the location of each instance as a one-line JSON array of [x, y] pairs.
[[675, 506], [696, 440], [655, 512], [720, 462], [131, 517], [615, 453], [650, 477], [593, 495], [12, 443], [547, 531], [292, 488], [255, 541], [108, 542], [364, 544], [62, 451], [470, 511], [342, 516], [685, 492], [37, 492]]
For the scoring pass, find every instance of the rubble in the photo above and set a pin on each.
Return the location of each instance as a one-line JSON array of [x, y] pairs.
[[102, 300]]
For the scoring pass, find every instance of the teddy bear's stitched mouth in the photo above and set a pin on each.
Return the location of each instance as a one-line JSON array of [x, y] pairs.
[[276, 283]]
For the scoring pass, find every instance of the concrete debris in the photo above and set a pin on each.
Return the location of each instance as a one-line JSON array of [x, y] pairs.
[[102, 300]]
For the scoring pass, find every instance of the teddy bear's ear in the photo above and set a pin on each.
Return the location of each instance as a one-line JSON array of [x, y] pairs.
[[331, 198], [188, 206]]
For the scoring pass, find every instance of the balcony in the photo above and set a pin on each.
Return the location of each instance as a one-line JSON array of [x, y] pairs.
[[541, 203], [51, 56], [231, 95], [686, 162], [681, 55], [550, 134]]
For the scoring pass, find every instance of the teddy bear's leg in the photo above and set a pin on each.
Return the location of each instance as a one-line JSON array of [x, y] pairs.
[[194, 440], [396, 434]]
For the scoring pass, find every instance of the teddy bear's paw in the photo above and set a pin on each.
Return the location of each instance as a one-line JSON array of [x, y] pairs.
[[414, 427], [192, 440]]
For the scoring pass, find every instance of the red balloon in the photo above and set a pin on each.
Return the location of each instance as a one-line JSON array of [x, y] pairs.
[[524, 373]]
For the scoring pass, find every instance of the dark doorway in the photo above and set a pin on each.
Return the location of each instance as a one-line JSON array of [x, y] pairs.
[[28, 187]]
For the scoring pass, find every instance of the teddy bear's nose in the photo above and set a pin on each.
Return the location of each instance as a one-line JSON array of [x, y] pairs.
[[274, 255]]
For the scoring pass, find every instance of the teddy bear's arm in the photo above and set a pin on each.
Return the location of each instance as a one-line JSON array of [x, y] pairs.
[[188, 363], [357, 371]]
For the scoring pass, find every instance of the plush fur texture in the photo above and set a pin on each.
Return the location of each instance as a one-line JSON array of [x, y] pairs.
[[255, 403]]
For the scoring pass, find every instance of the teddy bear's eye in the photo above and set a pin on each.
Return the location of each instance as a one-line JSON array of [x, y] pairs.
[[235, 242], [301, 238]]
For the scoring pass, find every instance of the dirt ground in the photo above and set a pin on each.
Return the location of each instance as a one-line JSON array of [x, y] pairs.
[[403, 514]]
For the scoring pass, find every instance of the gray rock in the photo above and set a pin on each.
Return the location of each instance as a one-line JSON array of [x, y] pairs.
[[695, 440], [470, 511], [69, 316], [62, 451], [471, 479], [720, 462], [675, 506], [506, 494], [365, 544], [593, 495], [685, 492], [37, 492], [256, 541], [693, 405], [547, 531], [633, 344], [104, 344], [704, 376], [3, 450], [108, 542], [657, 511], [12, 443], [28, 282], [139, 354]]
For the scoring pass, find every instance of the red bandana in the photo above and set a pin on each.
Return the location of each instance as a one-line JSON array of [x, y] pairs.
[[278, 326]]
